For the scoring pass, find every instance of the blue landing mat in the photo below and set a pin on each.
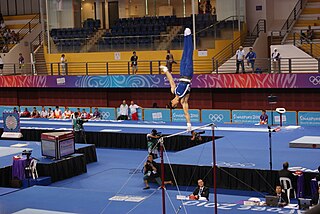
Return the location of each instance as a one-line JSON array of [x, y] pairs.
[[67, 200], [4, 190]]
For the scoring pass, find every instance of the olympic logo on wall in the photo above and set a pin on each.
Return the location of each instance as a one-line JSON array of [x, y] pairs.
[[315, 80], [105, 115], [216, 117]]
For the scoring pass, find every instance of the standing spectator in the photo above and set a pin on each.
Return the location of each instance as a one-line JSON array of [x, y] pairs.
[[50, 113], [96, 114], [67, 113], [308, 36], [57, 113], [25, 113], [169, 61], [35, 113], [1, 66], [134, 62], [123, 114], [21, 63], [275, 56], [63, 62], [133, 110], [251, 58], [43, 113], [263, 117], [240, 54]]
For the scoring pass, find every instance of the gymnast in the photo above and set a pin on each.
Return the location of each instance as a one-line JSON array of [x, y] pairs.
[[182, 90]]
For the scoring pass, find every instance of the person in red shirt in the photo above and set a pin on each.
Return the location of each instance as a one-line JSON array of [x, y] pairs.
[[25, 113]]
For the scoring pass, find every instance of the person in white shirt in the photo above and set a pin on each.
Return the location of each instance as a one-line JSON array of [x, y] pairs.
[[67, 113], [240, 56], [275, 56], [63, 62], [123, 114], [43, 113], [133, 110]]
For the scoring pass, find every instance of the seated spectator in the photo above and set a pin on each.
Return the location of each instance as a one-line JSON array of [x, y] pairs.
[[50, 113], [25, 113], [35, 113], [155, 105], [133, 110], [84, 114], [308, 35], [57, 113], [318, 176], [43, 113], [264, 118], [283, 198], [150, 171], [15, 110], [67, 113], [79, 112], [96, 114], [201, 192], [123, 114], [316, 197]]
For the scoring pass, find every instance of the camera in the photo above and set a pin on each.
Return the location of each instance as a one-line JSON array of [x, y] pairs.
[[156, 133]]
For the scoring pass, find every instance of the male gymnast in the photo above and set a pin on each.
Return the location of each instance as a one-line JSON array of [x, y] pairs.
[[182, 90]]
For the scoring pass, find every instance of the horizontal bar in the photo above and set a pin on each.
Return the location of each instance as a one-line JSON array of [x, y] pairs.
[[183, 132]]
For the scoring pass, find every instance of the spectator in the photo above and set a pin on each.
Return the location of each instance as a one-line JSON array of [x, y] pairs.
[[96, 114], [275, 56], [50, 113], [169, 61], [150, 171], [123, 114], [201, 192], [318, 176], [21, 63], [1, 66], [63, 62], [78, 129], [67, 113], [43, 113], [308, 36], [155, 105], [84, 114], [240, 54], [316, 197], [208, 7], [133, 110], [263, 117], [35, 113], [282, 197], [25, 113], [152, 143], [251, 58], [57, 113], [79, 112], [15, 110], [284, 172], [134, 62]]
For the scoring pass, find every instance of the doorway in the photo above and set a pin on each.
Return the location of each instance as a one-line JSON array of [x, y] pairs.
[[113, 11]]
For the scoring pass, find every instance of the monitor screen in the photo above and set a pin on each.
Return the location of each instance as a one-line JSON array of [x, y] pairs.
[[48, 148], [67, 147], [304, 203]]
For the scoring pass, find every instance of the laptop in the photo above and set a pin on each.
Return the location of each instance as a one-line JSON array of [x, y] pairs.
[[304, 203], [272, 201]]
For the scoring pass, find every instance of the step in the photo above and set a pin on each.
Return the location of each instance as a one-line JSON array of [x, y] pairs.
[[310, 11], [313, 5], [41, 181], [19, 17]]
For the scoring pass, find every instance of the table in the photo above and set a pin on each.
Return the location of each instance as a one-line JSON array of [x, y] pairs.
[[18, 168]]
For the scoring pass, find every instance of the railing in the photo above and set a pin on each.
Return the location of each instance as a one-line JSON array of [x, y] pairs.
[[310, 47], [285, 29], [260, 27], [262, 65], [34, 47], [226, 53]]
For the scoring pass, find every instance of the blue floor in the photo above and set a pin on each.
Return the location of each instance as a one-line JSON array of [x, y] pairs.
[[118, 173]]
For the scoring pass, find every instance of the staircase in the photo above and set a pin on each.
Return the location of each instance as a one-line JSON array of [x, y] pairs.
[[249, 40], [165, 42], [93, 40], [40, 65]]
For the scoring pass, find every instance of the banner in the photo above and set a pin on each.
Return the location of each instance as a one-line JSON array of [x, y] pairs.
[[178, 115], [157, 114], [247, 117], [107, 113], [288, 118], [308, 118], [215, 116]]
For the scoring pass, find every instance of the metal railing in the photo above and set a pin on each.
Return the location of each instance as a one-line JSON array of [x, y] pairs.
[[287, 26], [260, 27], [262, 65], [309, 46]]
